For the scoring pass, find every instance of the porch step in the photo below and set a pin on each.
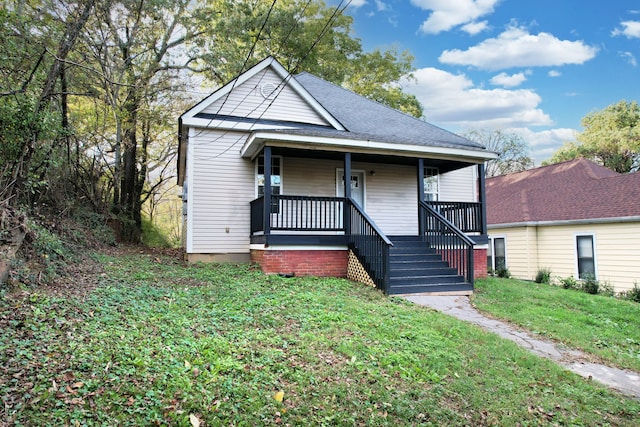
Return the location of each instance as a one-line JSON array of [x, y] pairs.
[[416, 268]]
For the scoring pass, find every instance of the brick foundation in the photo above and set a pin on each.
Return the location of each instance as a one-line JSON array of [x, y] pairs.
[[479, 263], [322, 263]]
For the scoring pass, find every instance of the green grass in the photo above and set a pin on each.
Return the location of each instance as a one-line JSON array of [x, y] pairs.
[[157, 343], [603, 326]]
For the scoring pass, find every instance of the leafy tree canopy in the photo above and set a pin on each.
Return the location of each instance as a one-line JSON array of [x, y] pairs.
[[611, 138], [303, 36]]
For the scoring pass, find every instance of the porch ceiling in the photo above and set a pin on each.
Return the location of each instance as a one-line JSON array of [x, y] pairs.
[[442, 164]]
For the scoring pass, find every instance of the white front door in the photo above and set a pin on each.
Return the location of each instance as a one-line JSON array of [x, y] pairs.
[[357, 186]]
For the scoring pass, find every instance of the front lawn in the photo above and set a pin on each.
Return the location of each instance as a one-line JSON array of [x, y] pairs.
[[603, 326], [159, 343]]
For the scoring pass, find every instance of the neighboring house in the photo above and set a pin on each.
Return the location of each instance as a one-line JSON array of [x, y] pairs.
[[576, 218], [262, 163]]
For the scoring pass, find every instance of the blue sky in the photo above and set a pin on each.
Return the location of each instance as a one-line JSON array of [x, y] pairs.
[[530, 67]]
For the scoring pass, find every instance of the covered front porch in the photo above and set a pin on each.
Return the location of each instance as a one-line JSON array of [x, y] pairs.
[[416, 245]]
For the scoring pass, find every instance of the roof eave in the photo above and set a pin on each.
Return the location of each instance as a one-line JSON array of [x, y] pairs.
[[258, 139]]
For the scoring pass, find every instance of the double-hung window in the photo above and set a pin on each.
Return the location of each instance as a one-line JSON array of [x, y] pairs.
[[586, 256], [276, 175], [276, 179], [497, 254], [431, 184]]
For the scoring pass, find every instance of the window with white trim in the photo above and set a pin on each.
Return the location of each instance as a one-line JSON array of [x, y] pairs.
[[586, 256], [276, 175], [497, 254], [431, 184]]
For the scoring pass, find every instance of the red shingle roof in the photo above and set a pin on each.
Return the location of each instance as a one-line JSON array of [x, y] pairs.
[[573, 190]]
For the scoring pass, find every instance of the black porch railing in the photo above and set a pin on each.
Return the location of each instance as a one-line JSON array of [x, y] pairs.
[[364, 238], [370, 246], [298, 213], [448, 240], [467, 216]]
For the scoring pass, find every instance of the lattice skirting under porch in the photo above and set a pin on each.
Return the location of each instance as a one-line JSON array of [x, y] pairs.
[[356, 272]]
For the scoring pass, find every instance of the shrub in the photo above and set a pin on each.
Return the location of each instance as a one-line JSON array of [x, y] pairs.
[[632, 294], [543, 276], [606, 288], [503, 272], [570, 283], [590, 285]]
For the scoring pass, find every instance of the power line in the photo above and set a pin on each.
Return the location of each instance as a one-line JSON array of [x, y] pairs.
[[337, 11]]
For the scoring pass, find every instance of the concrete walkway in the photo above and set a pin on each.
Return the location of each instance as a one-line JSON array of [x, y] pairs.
[[626, 382]]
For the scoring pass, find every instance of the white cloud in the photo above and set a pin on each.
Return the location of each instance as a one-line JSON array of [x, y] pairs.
[[381, 6], [630, 29], [631, 59], [357, 3], [506, 80], [447, 14], [554, 73], [515, 47], [544, 143], [474, 28], [453, 100]]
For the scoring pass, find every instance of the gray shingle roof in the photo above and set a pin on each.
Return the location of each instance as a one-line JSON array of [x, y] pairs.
[[366, 119]]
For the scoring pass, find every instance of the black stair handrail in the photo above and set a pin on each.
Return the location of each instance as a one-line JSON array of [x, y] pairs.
[[369, 244], [448, 240]]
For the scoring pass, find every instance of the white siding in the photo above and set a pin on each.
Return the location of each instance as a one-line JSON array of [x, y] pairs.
[[459, 185], [246, 100], [221, 185], [391, 193]]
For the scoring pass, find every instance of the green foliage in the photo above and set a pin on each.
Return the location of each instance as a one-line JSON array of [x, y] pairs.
[[632, 294], [503, 272], [590, 285], [543, 276], [159, 343], [611, 137], [599, 325], [154, 237], [306, 36], [570, 283]]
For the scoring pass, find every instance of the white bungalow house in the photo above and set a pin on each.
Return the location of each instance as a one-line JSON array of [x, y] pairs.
[[262, 163]]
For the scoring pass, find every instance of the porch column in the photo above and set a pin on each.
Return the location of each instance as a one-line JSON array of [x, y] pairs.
[[267, 190], [346, 210], [420, 174], [482, 198]]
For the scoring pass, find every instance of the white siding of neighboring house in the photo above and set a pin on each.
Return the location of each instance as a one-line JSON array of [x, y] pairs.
[[246, 100], [617, 250], [220, 185]]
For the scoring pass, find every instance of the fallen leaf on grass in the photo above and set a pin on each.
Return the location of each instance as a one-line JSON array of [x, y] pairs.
[[279, 396], [195, 422]]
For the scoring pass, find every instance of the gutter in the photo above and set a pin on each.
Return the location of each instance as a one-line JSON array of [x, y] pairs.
[[613, 220]]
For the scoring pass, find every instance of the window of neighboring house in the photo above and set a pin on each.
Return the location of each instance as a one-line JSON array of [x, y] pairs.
[[586, 256], [497, 254], [276, 179], [431, 184]]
